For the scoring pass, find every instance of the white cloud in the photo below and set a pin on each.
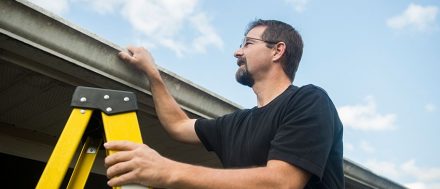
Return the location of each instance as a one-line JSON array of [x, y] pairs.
[[422, 185], [157, 22], [384, 168], [162, 18], [177, 46], [421, 173], [208, 34], [420, 18], [298, 5], [163, 21], [57, 7], [366, 147], [416, 185], [430, 107], [366, 117], [419, 177]]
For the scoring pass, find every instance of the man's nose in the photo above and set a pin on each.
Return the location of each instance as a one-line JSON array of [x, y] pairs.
[[238, 52]]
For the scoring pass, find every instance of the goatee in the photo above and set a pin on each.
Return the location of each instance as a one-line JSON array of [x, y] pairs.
[[243, 76]]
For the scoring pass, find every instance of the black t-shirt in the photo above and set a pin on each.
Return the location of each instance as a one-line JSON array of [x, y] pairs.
[[300, 126]]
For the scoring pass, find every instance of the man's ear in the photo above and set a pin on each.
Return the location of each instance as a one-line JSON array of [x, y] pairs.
[[278, 51]]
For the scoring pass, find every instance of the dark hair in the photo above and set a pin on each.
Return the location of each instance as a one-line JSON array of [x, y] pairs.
[[277, 31]]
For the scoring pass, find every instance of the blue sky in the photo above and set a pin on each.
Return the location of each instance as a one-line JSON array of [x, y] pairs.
[[378, 60]]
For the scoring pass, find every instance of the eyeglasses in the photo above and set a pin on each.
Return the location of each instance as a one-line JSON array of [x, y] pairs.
[[244, 43]]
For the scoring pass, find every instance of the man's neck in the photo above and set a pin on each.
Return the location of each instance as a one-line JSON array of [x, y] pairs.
[[268, 90]]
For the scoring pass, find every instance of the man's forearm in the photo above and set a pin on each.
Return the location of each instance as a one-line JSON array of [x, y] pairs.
[[167, 108], [189, 176], [138, 163], [169, 112]]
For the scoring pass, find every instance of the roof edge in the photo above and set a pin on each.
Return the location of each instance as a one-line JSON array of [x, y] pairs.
[[39, 28]]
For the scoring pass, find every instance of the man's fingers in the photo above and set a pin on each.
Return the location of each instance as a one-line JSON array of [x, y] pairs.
[[120, 145], [131, 49], [121, 155], [116, 158], [127, 178], [130, 52], [119, 168], [125, 56]]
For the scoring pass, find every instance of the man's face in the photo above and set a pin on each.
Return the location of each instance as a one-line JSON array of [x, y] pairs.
[[252, 57]]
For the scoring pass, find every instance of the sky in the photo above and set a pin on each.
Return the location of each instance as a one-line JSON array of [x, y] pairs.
[[378, 60]]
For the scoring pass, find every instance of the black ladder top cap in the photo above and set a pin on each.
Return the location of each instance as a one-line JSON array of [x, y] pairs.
[[107, 100]]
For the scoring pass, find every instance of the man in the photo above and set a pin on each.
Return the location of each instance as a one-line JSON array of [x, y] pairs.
[[291, 139]]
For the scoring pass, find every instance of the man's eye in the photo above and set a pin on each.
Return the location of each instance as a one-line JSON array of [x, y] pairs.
[[245, 44]]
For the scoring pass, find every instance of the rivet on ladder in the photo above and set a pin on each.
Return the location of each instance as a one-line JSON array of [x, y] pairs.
[[91, 150]]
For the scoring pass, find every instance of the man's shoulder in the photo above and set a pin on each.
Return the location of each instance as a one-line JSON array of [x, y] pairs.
[[307, 91], [311, 88], [236, 114]]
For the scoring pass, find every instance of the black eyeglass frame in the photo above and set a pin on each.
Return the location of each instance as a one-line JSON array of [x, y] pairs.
[[245, 39]]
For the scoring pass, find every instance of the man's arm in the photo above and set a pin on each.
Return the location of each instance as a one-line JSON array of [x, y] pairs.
[[137, 163], [171, 116]]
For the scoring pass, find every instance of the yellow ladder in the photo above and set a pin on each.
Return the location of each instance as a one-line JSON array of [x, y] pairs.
[[94, 111]]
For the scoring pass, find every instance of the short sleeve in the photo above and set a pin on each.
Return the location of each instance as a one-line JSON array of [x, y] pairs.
[[207, 132], [305, 135]]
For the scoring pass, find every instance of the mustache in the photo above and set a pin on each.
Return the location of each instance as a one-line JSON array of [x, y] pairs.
[[241, 61]]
